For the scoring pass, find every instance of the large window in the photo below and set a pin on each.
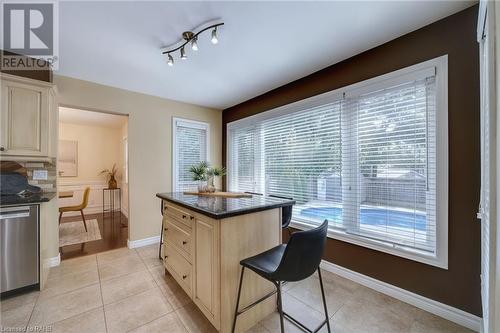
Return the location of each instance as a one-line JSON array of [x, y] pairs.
[[191, 139], [370, 158]]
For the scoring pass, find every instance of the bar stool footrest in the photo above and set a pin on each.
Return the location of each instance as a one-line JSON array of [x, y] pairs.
[[302, 326]]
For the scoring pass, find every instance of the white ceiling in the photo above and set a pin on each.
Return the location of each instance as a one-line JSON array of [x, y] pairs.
[[90, 118], [263, 45]]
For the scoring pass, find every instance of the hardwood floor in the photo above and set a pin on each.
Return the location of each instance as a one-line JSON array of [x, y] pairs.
[[114, 235]]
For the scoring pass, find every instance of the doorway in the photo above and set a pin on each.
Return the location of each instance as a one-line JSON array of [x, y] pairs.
[[92, 181]]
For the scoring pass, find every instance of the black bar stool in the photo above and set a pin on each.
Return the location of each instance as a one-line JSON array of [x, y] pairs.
[[286, 214], [294, 261]]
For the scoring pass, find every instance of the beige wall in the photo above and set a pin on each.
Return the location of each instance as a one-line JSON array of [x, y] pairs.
[[150, 142], [98, 148]]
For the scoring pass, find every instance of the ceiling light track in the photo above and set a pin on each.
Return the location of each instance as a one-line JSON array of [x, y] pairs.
[[191, 37]]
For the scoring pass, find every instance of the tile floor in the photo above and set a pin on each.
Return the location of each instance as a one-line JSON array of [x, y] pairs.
[[126, 291]]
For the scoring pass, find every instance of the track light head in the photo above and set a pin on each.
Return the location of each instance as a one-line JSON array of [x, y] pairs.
[[194, 44], [214, 39], [170, 61], [183, 53]]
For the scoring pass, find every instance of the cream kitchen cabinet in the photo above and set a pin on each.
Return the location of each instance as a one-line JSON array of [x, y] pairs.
[[28, 119]]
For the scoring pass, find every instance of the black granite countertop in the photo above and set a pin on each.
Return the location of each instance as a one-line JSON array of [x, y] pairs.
[[12, 200], [220, 208]]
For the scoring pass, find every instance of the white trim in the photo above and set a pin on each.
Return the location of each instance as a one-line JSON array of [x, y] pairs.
[[187, 123], [442, 310], [143, 242], [54, 261], [438, 67]]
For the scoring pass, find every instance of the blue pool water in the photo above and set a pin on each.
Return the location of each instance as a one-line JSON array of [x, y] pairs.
[[372, 217]]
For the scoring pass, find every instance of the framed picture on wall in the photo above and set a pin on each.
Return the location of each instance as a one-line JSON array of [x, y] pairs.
[[68, 158]]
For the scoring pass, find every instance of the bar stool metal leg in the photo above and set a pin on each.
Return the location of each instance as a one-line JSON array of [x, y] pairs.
[[238, 299], [324, 300], [280, 307]]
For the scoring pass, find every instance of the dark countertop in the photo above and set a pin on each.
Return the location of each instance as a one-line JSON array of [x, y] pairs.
[[220, 208], [12, 200]]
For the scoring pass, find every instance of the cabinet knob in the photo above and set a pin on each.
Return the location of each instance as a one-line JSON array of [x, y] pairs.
[[2, 148], [192, 217], [165, 257], [184, 242], [183, 216], [184, 277]]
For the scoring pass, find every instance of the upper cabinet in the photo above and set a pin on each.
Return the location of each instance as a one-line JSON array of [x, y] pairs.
[[28, 119]]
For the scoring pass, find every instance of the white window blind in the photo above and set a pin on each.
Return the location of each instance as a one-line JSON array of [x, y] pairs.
[[190, 147], [363, 157], [390, 186]]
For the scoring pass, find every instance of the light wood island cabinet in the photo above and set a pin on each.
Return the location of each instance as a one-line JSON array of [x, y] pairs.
[[204, 240]]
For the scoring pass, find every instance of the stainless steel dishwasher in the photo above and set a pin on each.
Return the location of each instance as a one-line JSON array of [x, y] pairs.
[[19, 257]]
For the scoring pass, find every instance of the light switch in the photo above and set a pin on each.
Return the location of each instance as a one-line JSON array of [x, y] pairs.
[[40, 174]]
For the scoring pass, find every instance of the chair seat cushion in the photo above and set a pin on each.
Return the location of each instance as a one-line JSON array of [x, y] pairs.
[[70, 208], [266, 262]]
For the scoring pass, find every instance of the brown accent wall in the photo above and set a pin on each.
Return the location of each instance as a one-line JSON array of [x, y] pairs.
[[459, 286], [41, 74]]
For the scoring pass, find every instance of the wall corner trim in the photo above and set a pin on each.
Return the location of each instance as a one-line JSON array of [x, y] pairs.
[[143, 242], [442, 310], [54, 261]]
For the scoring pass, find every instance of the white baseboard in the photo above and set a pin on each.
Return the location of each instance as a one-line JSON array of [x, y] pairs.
[[447, 312], [143, 242], [54, 261]]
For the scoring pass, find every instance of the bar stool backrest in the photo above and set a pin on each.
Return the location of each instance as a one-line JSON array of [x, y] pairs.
[[302, 255]]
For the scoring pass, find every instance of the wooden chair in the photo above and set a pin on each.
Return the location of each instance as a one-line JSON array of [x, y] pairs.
[[77, 208]]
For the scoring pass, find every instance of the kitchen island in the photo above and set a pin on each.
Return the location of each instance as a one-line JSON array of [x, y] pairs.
[[204, 240]]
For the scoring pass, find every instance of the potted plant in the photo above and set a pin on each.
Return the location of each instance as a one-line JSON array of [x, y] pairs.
[[213, 172], [199, 173], [111, 174]]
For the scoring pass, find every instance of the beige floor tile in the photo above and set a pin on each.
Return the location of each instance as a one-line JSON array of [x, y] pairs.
[[300, 311], [74, 266], [194, 320], [428, 323], [149, 255], [364, 316], [177, 299], [124, 286], [67, 305], [257, 329], [88, 322], [17, 317], [105, 258], [68, 282], [135, 311], [121, 266], [18, 301], [337, 292], [170, 323]]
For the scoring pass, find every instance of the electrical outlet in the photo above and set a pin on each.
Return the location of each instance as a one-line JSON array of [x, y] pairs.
[[40, 174]]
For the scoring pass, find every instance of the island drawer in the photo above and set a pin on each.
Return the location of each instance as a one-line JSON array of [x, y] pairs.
[[179, 267], [178, 213], [179, 235]]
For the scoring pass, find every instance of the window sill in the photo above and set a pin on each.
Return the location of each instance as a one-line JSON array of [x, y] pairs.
[[399, 251]]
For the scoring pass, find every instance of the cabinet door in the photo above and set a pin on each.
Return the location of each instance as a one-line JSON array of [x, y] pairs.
[[206, 286], [25, 120]]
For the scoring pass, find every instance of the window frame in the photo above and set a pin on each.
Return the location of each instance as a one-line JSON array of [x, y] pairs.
[[176, 122], [439, 66]]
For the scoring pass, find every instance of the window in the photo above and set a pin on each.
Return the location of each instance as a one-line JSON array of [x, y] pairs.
[[191, 139], [367, 157]]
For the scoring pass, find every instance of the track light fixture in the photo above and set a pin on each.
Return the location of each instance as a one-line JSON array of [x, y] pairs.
[[214, 39], [191, 37], [170, 61]]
